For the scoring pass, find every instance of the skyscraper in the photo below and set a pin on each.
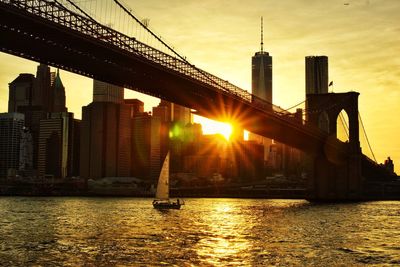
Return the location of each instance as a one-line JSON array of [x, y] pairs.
[[261, 73], [146, 146], [261, 85], [105, 92], [42, 95], [106, 133], [20, 92], [106, 140], [26, 153], [316, 74], [35, 97], [58, 92], [11, 125], [56, 145], [171, 112]]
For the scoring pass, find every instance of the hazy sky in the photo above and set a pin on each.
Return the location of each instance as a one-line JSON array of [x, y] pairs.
[[361, 39]]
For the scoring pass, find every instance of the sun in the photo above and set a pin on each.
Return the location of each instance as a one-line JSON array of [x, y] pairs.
[[215, 127]]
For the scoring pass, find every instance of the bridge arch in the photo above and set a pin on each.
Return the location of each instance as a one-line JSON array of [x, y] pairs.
[[332, 104], [342, 126]]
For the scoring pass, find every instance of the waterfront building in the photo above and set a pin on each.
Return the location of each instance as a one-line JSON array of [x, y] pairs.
[[146, 147], [105, 140], [106, 133], [56, 145], [249, 158], [35, 97], [205, 156], [26, 153], [316, 74], [11, 126]]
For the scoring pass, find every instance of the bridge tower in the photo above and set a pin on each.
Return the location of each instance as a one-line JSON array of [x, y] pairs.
[[337, 172]]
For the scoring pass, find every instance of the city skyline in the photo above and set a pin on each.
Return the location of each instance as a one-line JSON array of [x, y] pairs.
[[360, 40]]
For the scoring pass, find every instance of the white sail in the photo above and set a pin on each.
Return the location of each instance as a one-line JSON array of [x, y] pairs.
[[162, 192]]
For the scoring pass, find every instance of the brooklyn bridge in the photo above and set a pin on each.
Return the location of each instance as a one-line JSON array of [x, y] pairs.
[[64, 35]]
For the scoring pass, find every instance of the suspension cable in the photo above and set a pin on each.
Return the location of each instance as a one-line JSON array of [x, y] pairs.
[[366, 137], [344, 124], [153, 34], [166, 45], [78, 8], [298, 104]]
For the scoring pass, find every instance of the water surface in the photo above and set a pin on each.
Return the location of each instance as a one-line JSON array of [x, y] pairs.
[[205, 232]]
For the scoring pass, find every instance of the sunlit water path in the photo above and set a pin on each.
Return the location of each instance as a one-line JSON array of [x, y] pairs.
[[206, 232]]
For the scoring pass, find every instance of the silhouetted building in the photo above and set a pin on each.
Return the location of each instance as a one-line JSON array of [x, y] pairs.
[[106, 138], [35, 97], [174, 119], [389, 165], [76, 153], [20, 92], [26, 153], [249, 158], [146, 147], [173, 112], [261, 86], [163, 113], [316, 74], [58, 92], [42, 95], [11, 126], [205, 157], [56, 145], [261, 73], [184, 141], [136, 105], [105, 92]]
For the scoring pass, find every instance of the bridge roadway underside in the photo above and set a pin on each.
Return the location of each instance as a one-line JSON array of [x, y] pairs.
[[29, 36]]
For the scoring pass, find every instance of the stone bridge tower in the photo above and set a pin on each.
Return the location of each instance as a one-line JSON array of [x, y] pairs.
[[337, 166]]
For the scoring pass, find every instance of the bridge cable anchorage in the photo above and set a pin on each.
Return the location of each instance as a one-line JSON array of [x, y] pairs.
[[366, 137]]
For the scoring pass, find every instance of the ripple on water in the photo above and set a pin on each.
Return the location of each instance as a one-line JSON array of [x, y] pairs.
[[206, 232]]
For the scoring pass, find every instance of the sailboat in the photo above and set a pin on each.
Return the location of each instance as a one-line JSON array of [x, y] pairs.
[[162, 200]]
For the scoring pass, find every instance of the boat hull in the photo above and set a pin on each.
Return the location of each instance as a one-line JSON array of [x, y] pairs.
[[166, 205]]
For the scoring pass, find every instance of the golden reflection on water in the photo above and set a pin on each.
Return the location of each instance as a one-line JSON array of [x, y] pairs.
[[226, 236], [206, 232]]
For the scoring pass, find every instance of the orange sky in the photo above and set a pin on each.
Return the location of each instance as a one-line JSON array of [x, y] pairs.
[[362, 41]]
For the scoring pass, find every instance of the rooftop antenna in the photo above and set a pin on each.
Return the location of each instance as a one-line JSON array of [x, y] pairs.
[[262, 37]]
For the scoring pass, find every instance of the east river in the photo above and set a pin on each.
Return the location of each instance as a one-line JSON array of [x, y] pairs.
[[75, 231]]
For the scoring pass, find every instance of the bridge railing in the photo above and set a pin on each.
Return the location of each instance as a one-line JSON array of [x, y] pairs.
[[55, 12]]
